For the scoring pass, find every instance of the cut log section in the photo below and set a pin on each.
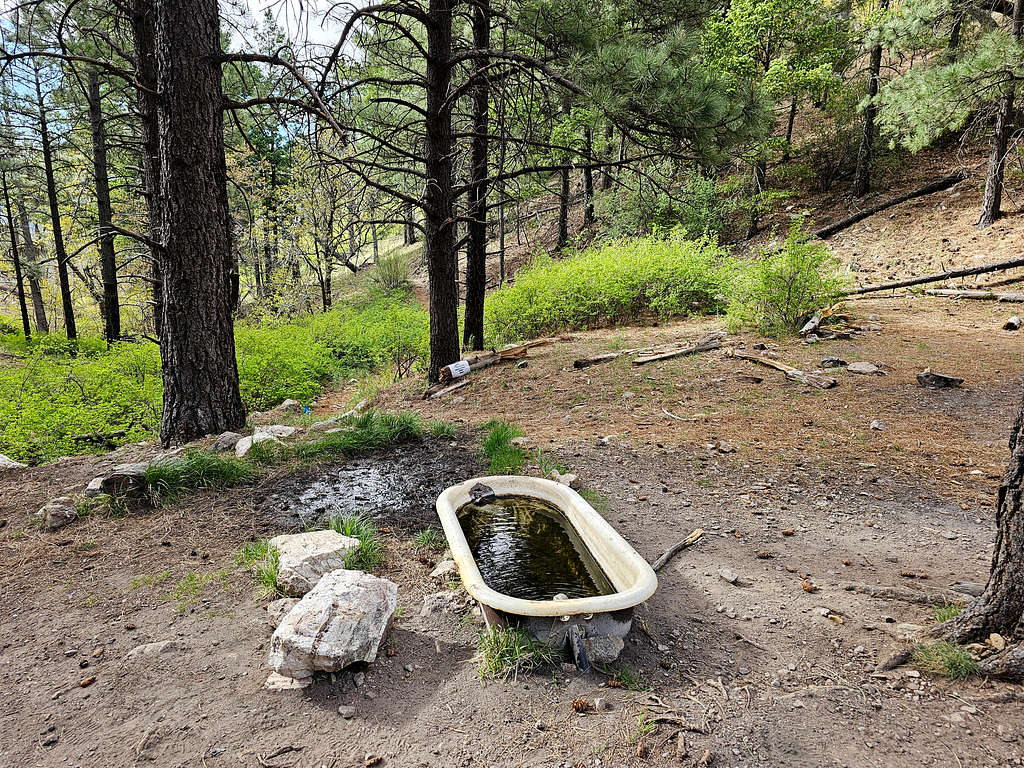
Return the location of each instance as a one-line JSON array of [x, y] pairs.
[[795, 374], [708, 343], [981, 295]]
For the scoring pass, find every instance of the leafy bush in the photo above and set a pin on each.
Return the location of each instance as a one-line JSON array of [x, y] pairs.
[[391, 330], [617, 282], [779, 288], [391, 273]]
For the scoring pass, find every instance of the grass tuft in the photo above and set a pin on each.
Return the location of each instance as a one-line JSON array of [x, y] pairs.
[[507, 652], [195, 469], [440, 429], [505, 458], [367, 432], [596, 499], [371, 551], [263, 559], [429, 538], [945, 659], [948, 611], [624, 677]]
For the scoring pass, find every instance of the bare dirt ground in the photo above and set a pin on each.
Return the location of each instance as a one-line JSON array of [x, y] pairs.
[[767, 673]]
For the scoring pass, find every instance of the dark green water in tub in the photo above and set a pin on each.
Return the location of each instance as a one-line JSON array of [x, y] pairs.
[[526, 548]]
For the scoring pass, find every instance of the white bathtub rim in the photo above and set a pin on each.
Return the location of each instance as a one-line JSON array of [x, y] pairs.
[[644, 580]]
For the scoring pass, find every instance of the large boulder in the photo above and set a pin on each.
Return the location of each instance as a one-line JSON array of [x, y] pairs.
[[341, 621], [8, 463], [58, 512], [305, 557]]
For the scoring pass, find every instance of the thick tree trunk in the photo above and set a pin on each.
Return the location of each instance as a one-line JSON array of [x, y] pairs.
[[104, 215], [60, 251], [1001, 607], [993, 199], [439, 202], [16, 258], [476, 248], [32, 270], [144, 34], [865, 153], [197, 345]]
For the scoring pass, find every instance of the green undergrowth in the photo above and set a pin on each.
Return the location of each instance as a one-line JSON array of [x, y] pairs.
[[429, 539], [54, 404], [507, 652], [944, 659], [195, 470], [617, 282], [371, 550], [947, 612]]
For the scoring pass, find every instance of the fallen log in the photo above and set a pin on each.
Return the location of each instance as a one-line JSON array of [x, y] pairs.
[[676, 548], [586, 362], [930, 188], [981, 295], [794, 374], [443, 389], [981, 269], [712, 341], [904, 595], [484, 359]]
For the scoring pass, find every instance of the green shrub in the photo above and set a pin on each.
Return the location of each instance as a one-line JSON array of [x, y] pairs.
[[387, 331], [367, 432], [622, 281], [392, 272], [776, 291], [505, 457]]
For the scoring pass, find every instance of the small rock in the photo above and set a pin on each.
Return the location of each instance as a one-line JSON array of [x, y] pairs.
[[997, 641], [278, 609], [908, 631], [278, 682], [444, 569], [972, 588], [226, 441], [723, 447], [912, 673], [7, 464], [865, 369], [569, 479], [744, 671], [878, 426], [58, 513], [930, 380], [346, 711], [728, 575], [601, 704], [243, 446], [289, 406], [149, 650], [122, 479], [833, 362], [408, 668], [1013, 324], [279, 431]]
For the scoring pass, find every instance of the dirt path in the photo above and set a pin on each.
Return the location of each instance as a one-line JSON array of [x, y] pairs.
[[776, 680]]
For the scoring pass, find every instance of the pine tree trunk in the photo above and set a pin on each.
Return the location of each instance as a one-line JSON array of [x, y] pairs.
[[993, 199], [32, 270], [476, 247], [409, 230], [1001, 607], [588, 182], [439, 203], [197, 345], [865, 153], [60, 251], [16, 258], [104, 215], [144, 35]]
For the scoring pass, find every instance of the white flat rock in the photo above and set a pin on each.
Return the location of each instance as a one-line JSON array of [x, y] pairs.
[[305, 557]]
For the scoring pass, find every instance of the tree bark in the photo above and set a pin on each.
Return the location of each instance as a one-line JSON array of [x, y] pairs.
[[70, 328], [993, 199], [439, 202], [32, 269], [789, 129], [865, 153], [476, 248], [144, 34], [104, 215], [1000, 608], [197, 345], [588, 182], [16, 258], [409, 230], [563, 210]]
